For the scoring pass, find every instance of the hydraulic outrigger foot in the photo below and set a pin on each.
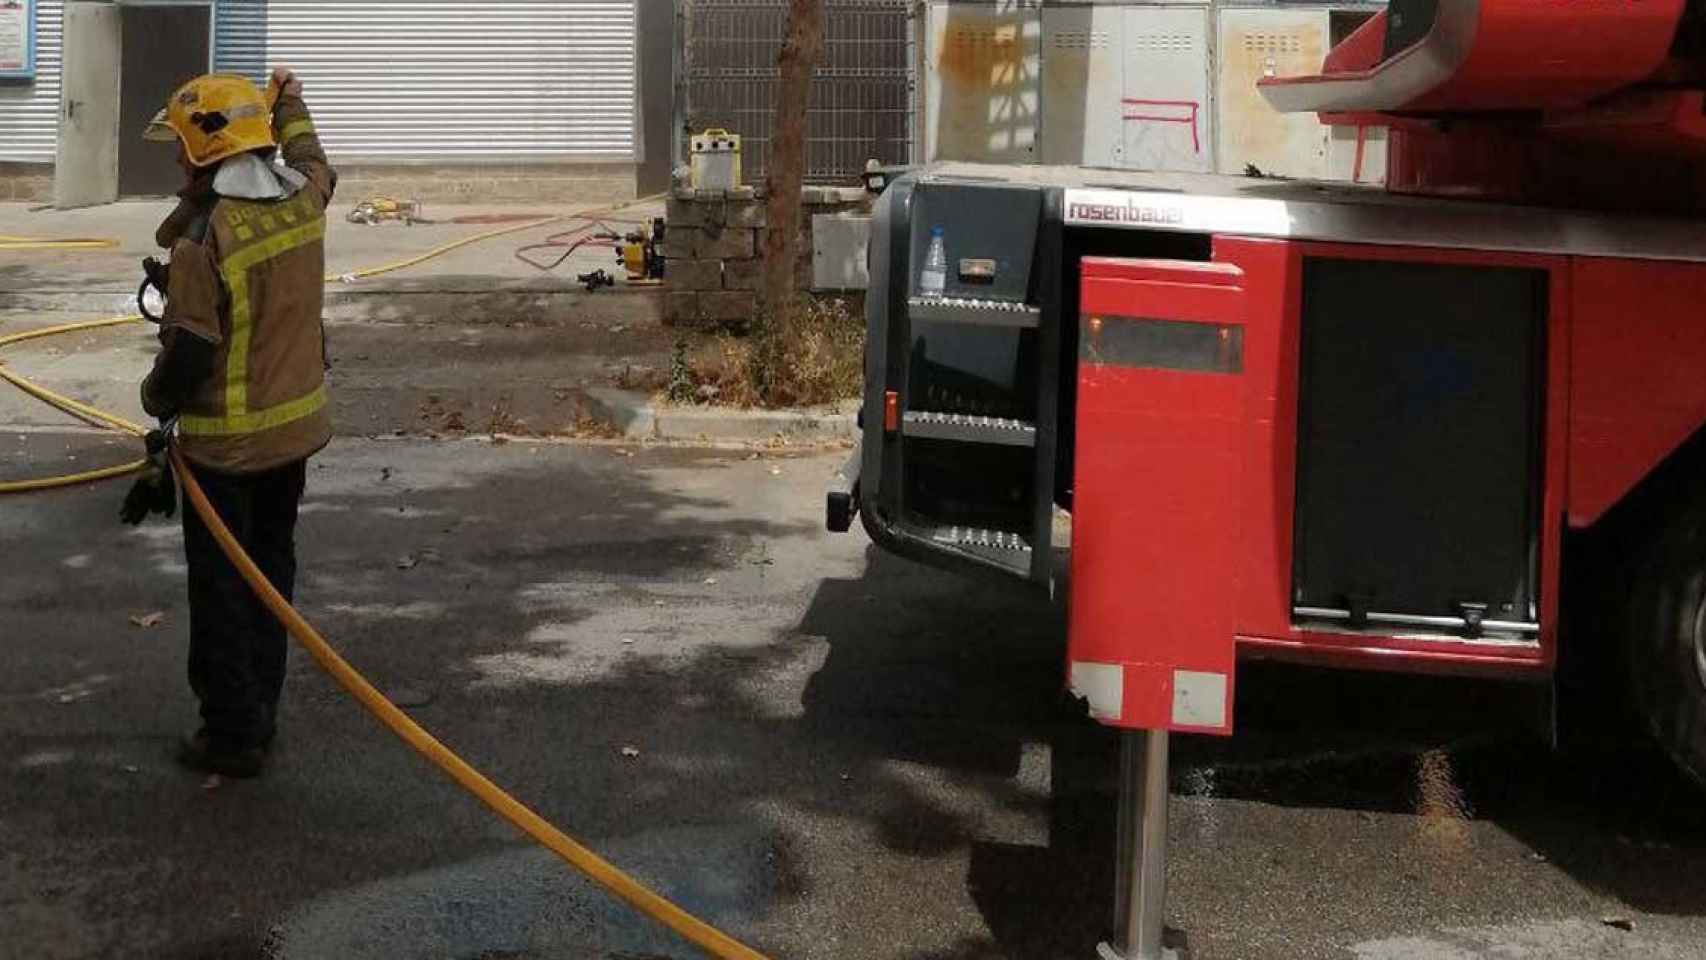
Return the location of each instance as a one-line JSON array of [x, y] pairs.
[[1140, 862]]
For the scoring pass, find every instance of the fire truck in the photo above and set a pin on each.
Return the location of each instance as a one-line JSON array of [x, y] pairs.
[[1416, 428]]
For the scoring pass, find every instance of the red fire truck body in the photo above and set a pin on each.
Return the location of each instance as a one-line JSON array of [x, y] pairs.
[[1362, 428], [1624, 366]]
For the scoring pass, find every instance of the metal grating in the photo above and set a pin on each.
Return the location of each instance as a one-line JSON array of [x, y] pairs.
[[1172, 42], [1081, 40], [1273, 42], [862, 98]]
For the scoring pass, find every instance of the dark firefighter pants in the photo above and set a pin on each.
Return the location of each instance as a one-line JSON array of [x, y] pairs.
[[237, 648]]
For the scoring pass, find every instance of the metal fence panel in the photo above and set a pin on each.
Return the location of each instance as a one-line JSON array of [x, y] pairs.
[[863, 93]]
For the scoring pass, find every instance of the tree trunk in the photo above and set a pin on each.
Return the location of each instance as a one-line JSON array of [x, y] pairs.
[[801, 51]]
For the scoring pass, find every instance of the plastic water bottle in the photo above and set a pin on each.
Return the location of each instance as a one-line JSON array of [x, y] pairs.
[[935, 277]]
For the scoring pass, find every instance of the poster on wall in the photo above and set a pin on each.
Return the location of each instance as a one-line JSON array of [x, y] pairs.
[[17, 39]]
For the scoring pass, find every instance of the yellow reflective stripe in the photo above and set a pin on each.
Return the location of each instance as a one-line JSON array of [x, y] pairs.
[[294, 129], [235, 269], [284, 413]]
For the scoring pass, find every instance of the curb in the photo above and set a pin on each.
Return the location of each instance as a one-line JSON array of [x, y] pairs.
[[638, 418], [352, 304]]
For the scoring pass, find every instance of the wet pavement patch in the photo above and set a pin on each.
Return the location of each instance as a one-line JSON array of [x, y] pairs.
[[526, 903]]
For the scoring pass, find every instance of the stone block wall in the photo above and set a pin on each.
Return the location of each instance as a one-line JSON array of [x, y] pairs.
[[714, 246], [26, 182]]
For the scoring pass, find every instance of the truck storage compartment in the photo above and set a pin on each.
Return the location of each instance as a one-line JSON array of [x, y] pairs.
[[964, 325], [976, 486], [1419, 464], [971, 370]]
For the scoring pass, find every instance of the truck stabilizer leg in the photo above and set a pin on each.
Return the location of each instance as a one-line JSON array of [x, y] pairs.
[[1140, 862]]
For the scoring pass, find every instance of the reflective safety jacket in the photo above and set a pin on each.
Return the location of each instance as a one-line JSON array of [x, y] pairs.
[[243, 364]]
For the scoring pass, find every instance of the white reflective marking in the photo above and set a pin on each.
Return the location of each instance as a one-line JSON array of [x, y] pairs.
[[1199, 699], [1102, 685]]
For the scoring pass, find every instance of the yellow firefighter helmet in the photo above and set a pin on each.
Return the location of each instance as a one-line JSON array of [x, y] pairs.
[[215, 116]]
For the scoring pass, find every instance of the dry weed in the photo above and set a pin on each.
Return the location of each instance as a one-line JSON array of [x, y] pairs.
[[812, 354]]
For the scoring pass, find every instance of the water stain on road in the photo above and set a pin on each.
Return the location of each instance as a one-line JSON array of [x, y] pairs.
[[524, 903]]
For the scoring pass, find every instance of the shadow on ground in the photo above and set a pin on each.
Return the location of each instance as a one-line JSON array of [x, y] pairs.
[[606, 645]]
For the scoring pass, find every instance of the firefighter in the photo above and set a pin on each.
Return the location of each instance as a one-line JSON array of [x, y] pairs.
[[242, 372]]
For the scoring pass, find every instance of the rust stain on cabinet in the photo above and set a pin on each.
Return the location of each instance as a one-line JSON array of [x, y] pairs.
[[985, 66], [978, 56], [1256, 44]]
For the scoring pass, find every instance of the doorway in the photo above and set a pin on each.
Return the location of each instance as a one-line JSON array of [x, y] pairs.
[[163, 48], [120, 63]]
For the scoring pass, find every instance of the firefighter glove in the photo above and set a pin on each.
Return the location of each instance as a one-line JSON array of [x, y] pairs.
[[156, 490]]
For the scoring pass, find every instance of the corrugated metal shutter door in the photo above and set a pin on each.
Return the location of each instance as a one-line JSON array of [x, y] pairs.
[[29, 112], [528, 81]]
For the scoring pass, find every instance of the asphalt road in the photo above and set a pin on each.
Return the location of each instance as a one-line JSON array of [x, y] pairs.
[[832, 752]]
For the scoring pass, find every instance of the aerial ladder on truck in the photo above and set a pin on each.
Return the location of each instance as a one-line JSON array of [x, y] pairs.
[[1402, 429]]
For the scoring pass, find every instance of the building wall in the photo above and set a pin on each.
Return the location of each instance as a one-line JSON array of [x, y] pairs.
[[489, 182], [524, 100]]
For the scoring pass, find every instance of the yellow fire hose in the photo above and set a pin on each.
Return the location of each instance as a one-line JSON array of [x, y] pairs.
[[96, 417], [596, 869], [80, 410], [706, 937], [56, 243]]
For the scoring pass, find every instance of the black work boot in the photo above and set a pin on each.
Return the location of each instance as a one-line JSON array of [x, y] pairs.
[[269, 726], [206, 753]]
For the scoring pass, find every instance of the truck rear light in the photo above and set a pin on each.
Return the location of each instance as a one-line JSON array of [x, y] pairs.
[[891, 412]]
